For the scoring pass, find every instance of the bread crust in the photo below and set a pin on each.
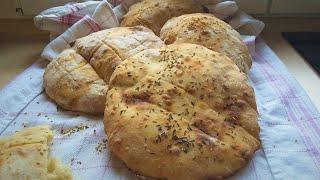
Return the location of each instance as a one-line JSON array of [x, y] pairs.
[[154, 13], [211, 32], [181, 112], [74, 85], [78, 79]]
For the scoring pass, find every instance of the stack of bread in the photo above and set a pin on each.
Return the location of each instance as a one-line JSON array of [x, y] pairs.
[[172, 83]]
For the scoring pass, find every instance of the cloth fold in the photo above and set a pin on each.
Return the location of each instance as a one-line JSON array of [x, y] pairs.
[[75, 20]]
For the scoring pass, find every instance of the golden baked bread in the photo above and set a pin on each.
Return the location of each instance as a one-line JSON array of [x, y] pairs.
[[26, 155], [211, 32], [106, 49], [74, 85], [77, 80], [181, 112], [154, 13]]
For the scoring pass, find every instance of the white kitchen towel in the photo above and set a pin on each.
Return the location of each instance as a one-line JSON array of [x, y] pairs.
[[76, 20]]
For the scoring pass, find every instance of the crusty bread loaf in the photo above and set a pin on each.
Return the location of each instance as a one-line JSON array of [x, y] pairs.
[[211, 32], [154, 13], [74, 85], [181, 112], [106, 49], [77, 80], [26, 155]]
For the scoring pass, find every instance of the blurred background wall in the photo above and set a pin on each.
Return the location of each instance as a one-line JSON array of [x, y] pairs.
[[28, 8]]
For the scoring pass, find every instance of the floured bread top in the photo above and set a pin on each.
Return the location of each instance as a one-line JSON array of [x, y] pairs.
[[105, 49], [78, 79], [211, 32], [74, 85], [154, 13], [181, 112], [26, 155]]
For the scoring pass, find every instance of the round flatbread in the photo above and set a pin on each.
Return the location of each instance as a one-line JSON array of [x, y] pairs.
[[77, 80], [211, 32], [181, 112], [74, 85], [154, 13]]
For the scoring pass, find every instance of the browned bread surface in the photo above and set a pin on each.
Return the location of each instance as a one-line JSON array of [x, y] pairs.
[[74, 85], [106, 49], [211, 32], [181, 112], [77, 80], [154, 13]]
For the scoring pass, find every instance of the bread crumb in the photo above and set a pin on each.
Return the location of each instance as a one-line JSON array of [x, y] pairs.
[[74, 130], [102, 145]]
